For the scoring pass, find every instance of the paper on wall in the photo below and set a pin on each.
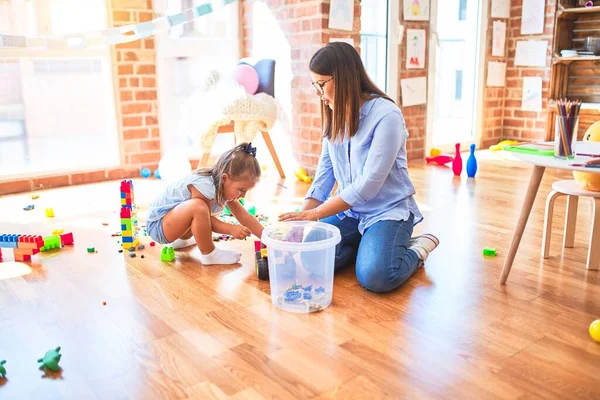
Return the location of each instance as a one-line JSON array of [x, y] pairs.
[[496, 74], [532, 94], [415, 48], [498, 38], [341, 14], [500, 8], [531, 53], [532, 17], [414, 91]]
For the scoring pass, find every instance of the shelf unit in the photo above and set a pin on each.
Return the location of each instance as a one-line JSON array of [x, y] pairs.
[[575, 78]]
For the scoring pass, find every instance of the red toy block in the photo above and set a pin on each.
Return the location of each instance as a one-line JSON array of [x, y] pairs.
[[22, 257], [66, 238], [125, 212], [30, 242], [0, 254], [125, 186]]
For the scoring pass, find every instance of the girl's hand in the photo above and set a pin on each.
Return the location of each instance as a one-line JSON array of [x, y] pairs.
[[239, 232], [308, 215]]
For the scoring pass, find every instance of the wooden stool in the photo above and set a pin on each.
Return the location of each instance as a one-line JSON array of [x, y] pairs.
[[573, 191]]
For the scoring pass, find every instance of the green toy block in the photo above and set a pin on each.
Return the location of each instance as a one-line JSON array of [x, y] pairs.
[[167, 254], [252, 210], [51, 359], [51, 242], [490, 252], [127, 223], [2, 369]]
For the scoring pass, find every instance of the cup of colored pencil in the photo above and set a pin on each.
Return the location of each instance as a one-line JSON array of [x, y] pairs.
[[565, 128]]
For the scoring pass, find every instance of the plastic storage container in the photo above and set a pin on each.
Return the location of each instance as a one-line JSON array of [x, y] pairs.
[[301, 263]]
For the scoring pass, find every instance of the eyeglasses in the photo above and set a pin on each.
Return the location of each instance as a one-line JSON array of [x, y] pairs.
[[319, 86]]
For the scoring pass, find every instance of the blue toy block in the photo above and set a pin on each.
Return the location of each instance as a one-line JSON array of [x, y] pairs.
[[9, 241], [127, 239], [123, 195], [123, 227]]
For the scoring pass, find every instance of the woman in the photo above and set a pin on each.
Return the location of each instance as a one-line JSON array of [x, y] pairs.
[[364, 151]]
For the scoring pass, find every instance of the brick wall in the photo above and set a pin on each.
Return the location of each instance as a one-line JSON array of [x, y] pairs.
[[303, 25], [493, 97], [415, 116], [134, 71], [517, 124]]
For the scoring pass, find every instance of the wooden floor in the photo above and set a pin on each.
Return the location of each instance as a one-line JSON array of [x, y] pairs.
[[182, 330]]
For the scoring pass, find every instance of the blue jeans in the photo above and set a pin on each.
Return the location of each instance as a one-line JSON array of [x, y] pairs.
[[383, 261]]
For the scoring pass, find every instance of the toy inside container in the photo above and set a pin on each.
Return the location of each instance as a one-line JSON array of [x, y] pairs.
[[301, 258]]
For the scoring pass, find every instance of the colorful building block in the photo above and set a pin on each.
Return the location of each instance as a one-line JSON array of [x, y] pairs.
[[167, 254], [51, 242], [128, 214], [66, 238], [9, 241], [49, 213]]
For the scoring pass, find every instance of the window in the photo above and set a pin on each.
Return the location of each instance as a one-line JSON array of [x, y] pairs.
[[186, 57], [373, 40], [458, 85], [56, 106], [462, 10]]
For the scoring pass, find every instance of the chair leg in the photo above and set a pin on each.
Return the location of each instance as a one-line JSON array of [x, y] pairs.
[[594, 250], [570, 221], [269, 143], [552, 196], [204, 159]]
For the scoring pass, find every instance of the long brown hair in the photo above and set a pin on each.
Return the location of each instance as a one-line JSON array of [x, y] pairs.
[[238, 163], [341, 61]]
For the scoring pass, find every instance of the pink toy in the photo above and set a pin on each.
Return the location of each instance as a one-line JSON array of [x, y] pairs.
[[66, 238], [457, 162], [441, 159], [246, 76]]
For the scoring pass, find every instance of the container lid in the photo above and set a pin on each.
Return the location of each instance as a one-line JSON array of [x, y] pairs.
[[301, 236]]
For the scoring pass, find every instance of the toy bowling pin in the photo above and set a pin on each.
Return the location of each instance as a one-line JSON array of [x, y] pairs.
[[472, 163], [440, 159], [457, 162]]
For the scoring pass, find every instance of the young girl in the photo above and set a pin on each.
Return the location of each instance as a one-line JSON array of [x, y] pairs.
[[186, 212]]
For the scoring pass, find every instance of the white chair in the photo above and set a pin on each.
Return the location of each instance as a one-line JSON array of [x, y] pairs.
[[573, 191]]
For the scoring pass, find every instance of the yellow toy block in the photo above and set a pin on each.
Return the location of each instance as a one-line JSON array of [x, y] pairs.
[[49, 213], [126, 233], [263, 253], [135, 243], [58, 231]]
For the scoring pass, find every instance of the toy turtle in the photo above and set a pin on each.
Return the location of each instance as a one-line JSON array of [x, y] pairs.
[[2, 369], [51, 359]]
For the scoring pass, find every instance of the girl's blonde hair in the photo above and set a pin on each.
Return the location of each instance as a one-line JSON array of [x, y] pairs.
[[238, 163]]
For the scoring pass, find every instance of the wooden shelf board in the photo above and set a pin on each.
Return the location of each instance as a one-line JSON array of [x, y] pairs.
[[573, 12], [569, 60]]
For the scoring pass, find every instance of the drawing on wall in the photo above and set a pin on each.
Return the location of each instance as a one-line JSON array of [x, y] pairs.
[[498, 38], [415, 48], [341, 14], [532, 18], [414, 91], [416, 10], [532, 94], [500, 8]]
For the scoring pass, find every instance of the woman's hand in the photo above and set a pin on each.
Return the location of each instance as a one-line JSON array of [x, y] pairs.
[[307, 215], [239, 232]]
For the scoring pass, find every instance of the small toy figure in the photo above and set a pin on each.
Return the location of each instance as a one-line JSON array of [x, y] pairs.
[[51, 359]]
